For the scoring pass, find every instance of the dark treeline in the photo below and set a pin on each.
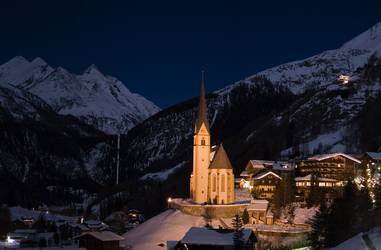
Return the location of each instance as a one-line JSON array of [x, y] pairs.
[[345, 217]]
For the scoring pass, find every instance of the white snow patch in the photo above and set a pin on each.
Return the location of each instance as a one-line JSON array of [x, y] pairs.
[[18, 212], [331, 139], [163, 175]]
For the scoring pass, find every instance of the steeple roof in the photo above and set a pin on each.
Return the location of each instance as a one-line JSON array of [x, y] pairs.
[[220, 159], [202, 109]]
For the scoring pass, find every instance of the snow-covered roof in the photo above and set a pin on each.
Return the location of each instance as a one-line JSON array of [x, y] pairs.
[[93, 222], [244, 174], [103, 236], [204, 236], [309, 177], [374, 155], [213, 150], [170, 225], [264, 174], [276, 165], [256, 204], [26, 231], [327, 156]]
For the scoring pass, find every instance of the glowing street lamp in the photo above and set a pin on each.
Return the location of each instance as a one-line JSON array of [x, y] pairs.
[[169, 201]]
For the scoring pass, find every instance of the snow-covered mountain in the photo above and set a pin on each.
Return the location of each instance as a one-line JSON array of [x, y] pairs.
[[299, 105], [93, 97], [322, 69]]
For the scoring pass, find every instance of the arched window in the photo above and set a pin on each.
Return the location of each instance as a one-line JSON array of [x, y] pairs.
[[214, 182], [223, 183]]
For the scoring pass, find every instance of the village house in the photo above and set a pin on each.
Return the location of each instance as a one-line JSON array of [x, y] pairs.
[[338, 166], [201, 238], [104, 240], [254, 167], [264, 184], [328, 186], [372, 160]]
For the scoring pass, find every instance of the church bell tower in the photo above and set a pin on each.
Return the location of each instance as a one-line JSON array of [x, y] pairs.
[[201, 152]]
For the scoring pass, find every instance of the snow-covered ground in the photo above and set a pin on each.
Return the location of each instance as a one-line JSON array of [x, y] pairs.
[[369, 241], [18, 212], [331, 139], [170, 225], [163, 175], [302, 215]]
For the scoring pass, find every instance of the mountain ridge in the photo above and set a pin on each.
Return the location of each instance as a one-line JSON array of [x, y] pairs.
[[96, 98]]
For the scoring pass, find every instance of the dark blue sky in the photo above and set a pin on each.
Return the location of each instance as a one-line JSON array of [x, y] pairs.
[[158, 48]]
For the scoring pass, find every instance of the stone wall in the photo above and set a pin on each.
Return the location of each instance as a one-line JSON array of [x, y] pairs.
[[213, 211]]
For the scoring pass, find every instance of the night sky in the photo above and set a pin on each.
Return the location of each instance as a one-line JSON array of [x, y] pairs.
[[158, 48]]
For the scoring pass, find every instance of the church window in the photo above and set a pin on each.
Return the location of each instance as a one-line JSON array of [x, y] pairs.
[[214, 183], [203, 142], [222, 183]]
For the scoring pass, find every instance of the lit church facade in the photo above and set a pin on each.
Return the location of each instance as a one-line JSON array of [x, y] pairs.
[[212, 179]]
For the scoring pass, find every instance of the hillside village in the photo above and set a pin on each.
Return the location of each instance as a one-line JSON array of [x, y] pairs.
[[286, 159]]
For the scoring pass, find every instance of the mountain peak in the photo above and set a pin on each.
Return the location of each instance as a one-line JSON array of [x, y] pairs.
[[16, 62], [38, 61], [92, 69], [369, 40], [19, 59]]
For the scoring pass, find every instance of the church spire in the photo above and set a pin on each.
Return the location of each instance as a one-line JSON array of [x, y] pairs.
[[202, 109]]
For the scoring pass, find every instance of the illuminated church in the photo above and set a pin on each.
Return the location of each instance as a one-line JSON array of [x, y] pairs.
[[212, 179]]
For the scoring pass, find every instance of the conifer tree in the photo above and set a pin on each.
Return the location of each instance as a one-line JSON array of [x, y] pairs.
[[5, 220], [208, 215], [245, 216], [341, 222], [315, 195], [364, 206], [377, 196], [290, 213], [284, 194], [238, 232], [318, 223]]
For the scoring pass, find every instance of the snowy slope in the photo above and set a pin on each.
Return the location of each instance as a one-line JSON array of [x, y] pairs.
[[318, 70], [97, 99]]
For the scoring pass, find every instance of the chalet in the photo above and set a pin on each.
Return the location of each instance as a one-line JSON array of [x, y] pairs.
[[104, 240], [93, 225], [338, 166], [372, 160], [200, 238], [264, 184], [254, 167], [303, 186]]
